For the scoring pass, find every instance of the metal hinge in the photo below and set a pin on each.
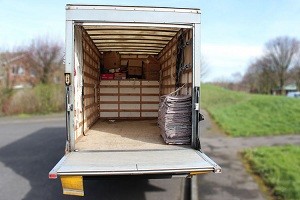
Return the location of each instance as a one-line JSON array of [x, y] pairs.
[[70, 107]]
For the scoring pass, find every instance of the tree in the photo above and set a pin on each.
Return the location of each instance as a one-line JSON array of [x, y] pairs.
[[295, 75], [296, 72], [47, 55], [260, 76], [282, 53], [272, 69]]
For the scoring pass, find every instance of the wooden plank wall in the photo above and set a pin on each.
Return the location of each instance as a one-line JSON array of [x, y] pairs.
[[167, 57], [129, 99], [91, 73], [187, 75]]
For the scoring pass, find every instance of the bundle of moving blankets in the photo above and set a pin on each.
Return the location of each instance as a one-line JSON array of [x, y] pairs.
[[175, 118]]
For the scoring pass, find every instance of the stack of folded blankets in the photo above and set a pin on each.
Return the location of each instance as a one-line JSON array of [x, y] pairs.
[[175, 118]]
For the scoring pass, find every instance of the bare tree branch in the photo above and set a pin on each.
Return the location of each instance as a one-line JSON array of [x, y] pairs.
[[272, 70], [47, 55], [282, 53]]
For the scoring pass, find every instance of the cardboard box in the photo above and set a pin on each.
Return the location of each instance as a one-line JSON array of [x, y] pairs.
[[107, 76], [152, 75], [136, 71], [151, 64], [111, 60], [120, 76], [124, 63], [135, 63]]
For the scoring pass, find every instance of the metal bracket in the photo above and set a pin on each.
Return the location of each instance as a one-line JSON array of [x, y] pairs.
[[70, 107], [196, 106], [201, 117], [67, 79], [67, 147]]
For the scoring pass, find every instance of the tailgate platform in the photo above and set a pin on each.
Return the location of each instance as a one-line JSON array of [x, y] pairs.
[[96, 163]]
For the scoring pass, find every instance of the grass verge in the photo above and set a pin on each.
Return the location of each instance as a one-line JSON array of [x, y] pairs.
[[243, 114], [279, 169]]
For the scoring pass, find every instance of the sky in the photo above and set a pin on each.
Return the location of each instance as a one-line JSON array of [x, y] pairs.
[[233, 32]]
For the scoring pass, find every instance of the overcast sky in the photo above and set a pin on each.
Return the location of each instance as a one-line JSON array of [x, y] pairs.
[[233, 31]]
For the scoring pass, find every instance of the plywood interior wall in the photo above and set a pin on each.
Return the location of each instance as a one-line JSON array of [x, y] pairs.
[[91, 70], [133, 99], [91, 73], [168, 57]]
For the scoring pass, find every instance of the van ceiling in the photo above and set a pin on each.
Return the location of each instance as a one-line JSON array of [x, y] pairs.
[[131, 39]]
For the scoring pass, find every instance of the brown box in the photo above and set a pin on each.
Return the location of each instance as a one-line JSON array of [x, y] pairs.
[[136, 71], [152, 75], [151, 64], [124, 63], [120, 76], [111, 60], [135, 63]]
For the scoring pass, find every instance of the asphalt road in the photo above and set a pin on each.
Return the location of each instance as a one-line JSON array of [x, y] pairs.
[[29, 148]]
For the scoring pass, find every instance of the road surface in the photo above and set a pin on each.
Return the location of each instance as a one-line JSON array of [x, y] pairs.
[[29, 148]]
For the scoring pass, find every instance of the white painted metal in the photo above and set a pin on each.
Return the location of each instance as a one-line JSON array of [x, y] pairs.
[[133, 14], [69, 60], [132, 8], [196, 55], [135, 162], [69, 64], [150, 25], [78, 80]]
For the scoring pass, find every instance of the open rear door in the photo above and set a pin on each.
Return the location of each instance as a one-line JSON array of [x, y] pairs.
[[150, 162]]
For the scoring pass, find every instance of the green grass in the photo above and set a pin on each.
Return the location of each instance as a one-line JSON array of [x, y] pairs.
[[243, 114], [24, 115], [279, 169], [42, 99]]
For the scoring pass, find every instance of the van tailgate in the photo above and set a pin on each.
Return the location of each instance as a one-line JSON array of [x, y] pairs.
[[146, 162]]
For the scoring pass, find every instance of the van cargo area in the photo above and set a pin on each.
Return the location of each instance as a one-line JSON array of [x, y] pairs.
[[123, 135], [118, 114], [120, 61]]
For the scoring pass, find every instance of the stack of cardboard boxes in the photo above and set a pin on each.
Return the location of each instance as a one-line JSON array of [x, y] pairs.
[[151, 69], [113, 68], [135, 69]]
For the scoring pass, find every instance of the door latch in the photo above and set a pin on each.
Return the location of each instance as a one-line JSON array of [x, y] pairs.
[[196, 106]]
